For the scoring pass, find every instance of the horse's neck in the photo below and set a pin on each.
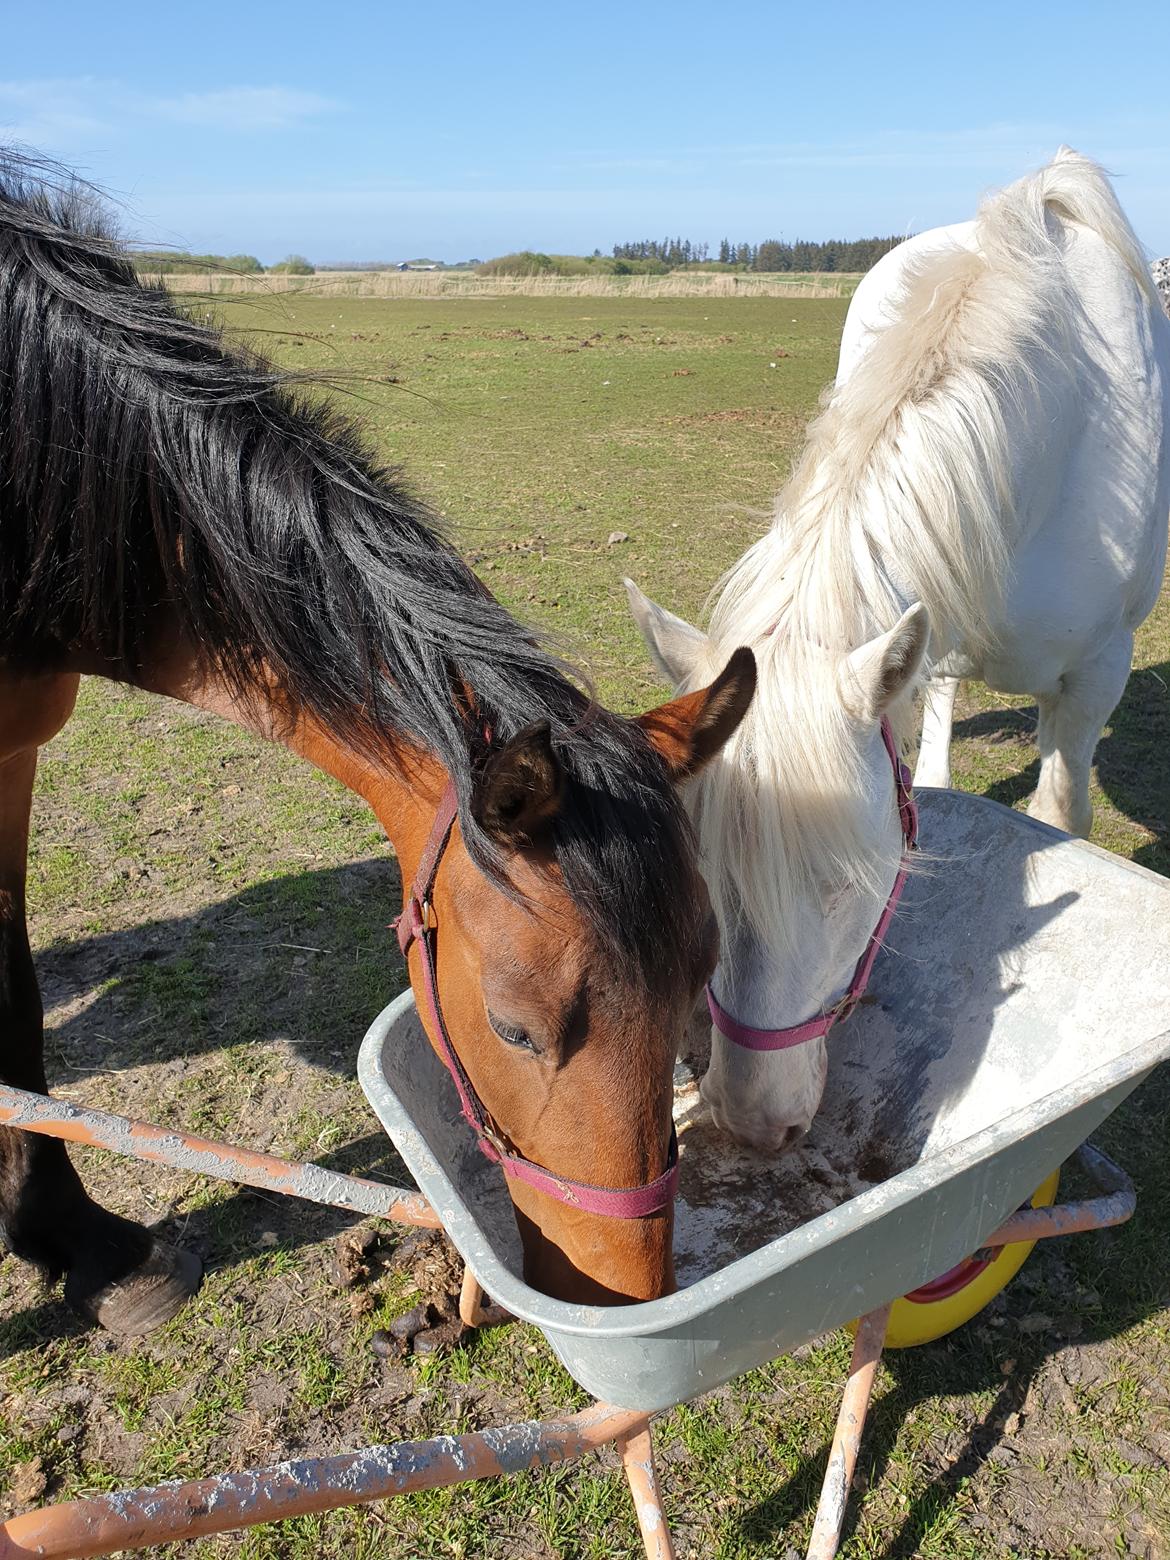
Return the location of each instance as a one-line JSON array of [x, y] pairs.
[[404, 792]]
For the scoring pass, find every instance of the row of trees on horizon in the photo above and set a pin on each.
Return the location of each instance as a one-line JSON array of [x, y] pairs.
[[644, 255], [773, 254], [166, 262]]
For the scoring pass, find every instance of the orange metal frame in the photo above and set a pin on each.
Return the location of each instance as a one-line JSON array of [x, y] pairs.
[[139, 1519]]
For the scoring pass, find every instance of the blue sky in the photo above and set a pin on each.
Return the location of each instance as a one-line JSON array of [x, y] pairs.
[[374, 131]]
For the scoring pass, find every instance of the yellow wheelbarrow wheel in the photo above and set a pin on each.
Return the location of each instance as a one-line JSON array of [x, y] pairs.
[[937, 1308]]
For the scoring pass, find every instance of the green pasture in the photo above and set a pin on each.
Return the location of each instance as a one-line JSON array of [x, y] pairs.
[[209, 918]]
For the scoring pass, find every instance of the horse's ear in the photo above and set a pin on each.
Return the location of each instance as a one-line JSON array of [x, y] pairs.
[[519, 788], [871, 677], [675, 647], [690, 730]]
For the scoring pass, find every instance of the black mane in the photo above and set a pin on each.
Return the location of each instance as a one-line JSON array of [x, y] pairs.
[[151, 475]]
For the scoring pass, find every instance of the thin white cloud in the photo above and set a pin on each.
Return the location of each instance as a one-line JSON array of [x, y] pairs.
[[242, 108], [65, 113], [890, 178], [53, 114], [970, 147]]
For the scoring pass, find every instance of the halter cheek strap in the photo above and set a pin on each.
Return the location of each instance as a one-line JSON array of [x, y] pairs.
[[417, 927], [751, 1039]]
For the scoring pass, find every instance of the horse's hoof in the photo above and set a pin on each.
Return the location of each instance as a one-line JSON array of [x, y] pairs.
[[146, 1298]]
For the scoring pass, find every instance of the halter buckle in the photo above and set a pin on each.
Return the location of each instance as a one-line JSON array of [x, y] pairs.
[[417, 918], [489, 1133], [843, 1008]]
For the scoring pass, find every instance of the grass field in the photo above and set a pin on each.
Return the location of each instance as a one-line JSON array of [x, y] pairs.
[[209, 918]]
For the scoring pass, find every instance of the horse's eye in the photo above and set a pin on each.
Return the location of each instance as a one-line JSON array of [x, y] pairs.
[[511, 1034]]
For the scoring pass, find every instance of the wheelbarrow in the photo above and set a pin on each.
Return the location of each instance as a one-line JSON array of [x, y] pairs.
[[997, 1038]]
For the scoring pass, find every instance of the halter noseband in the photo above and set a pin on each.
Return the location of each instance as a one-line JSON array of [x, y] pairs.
[[417, 926], [816, 1028]]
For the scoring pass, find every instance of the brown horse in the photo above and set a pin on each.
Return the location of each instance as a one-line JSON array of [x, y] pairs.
[[173, 517]]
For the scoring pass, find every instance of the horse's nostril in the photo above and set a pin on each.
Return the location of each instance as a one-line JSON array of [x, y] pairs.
[[777, 1140], [790, 1137], [760, 1135]]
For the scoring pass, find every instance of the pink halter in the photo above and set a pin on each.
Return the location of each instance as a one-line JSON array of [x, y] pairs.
[[417, 925], [796, 1034]]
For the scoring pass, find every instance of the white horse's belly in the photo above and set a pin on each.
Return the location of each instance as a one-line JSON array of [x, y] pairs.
[[1057, 615], [1064, 603]]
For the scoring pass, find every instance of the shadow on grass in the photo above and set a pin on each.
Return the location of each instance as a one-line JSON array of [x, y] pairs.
[[1133, 760], [302, 962], [1010, 727], [39, 1324], [1127, 1270], [1131, 757], [249, 1223], [306, 960], [799, 1496]]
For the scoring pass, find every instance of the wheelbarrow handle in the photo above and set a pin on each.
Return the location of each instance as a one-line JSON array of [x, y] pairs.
[[141, 1519], [1115, 1205], [202, 1156]]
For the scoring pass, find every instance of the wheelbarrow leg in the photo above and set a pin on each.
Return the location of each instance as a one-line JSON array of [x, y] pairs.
[[830, 1517], [637, 1451], [470, 1300], [475, 1309]]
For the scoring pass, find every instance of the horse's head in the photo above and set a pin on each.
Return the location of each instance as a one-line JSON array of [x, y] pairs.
[[801, 842], [567, 969]]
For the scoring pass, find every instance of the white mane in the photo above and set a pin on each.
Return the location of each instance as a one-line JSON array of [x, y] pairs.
[[909, 466]]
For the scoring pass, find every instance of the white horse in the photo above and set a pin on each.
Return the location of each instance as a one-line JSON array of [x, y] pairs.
[[985, 495]]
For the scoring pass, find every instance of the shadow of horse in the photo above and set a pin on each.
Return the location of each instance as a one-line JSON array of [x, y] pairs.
[[305, 960], [1131, 757], [913, 1387], [1132, 765], [301, 964], [1089, 1289], [1043, 1331]]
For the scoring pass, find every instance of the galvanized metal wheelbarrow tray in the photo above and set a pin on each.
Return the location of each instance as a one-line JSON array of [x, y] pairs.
[[1024, 992]]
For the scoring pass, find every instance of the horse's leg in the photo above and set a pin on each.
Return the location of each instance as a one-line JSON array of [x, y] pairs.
[[115, 1272], [934, 752], [1070, 725]]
